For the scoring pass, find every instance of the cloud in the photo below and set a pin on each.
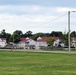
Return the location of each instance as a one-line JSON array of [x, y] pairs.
[[27, 9], [33, 17], [65, 9]]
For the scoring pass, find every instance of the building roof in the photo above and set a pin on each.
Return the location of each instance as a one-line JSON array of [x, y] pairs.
[[74, 38], [25, 39], [43, 39], [56, 38], [39, 39], [3, 38]]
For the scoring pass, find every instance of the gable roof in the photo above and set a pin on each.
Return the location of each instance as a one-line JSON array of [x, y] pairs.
[[25, 39], [56, 38], [74, 38], [3, 38], [43, 39], [39, 39]]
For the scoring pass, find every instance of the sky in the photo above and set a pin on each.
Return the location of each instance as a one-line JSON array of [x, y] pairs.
[[37, 15]]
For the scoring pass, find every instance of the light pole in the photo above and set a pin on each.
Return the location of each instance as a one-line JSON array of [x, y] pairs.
[[69, 30], [13, 40]]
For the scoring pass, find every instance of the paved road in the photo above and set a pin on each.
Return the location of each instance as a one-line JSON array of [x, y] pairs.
[[34, 50]]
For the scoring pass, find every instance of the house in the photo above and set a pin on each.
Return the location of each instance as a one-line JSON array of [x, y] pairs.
[[58, 42], [41, 42], [29, 43], [73, 43], [26, 43], [3, 42]]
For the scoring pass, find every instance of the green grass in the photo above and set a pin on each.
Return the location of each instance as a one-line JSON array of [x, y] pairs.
[[32, 63]]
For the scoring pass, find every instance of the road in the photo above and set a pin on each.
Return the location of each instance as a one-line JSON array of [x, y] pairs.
[[34, 50]]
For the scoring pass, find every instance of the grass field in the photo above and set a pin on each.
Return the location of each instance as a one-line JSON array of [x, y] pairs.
[[33, 63]]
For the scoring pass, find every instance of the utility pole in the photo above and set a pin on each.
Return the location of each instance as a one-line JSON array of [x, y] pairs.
[[69, 43], [69, 31]]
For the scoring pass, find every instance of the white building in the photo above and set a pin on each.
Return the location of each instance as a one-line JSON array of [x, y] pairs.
[[41, 42], [73, 43], [29, 43], [58, 42], [26, 43], [3, 42]]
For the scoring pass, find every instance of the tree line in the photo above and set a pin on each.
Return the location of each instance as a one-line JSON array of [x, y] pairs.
[[19, 34]]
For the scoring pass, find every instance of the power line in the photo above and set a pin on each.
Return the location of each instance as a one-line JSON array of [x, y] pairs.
[[48, 21]]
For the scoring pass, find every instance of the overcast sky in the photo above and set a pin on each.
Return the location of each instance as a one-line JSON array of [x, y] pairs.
[[37, 15]]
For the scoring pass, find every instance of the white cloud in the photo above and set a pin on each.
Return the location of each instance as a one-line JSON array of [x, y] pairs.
[[34, 18], [65, 9]]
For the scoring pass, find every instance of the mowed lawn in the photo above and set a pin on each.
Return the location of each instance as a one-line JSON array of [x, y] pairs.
[[33, 63]]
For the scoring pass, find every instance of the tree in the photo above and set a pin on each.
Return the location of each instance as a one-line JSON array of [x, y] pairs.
[[47, 34], [65, 40], [3, 34], [15, 38], [73, 34], [28, 34], [35, 36], [56, 34], [8, 35], [19, 32], [50, 41]]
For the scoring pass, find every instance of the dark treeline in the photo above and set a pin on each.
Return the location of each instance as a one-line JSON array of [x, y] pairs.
[[19, 34]]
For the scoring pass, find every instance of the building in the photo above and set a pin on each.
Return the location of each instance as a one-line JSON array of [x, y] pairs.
[[26, 43], [41, 42], [57, 42], [29, 43], [73, 43], [3, 42]]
